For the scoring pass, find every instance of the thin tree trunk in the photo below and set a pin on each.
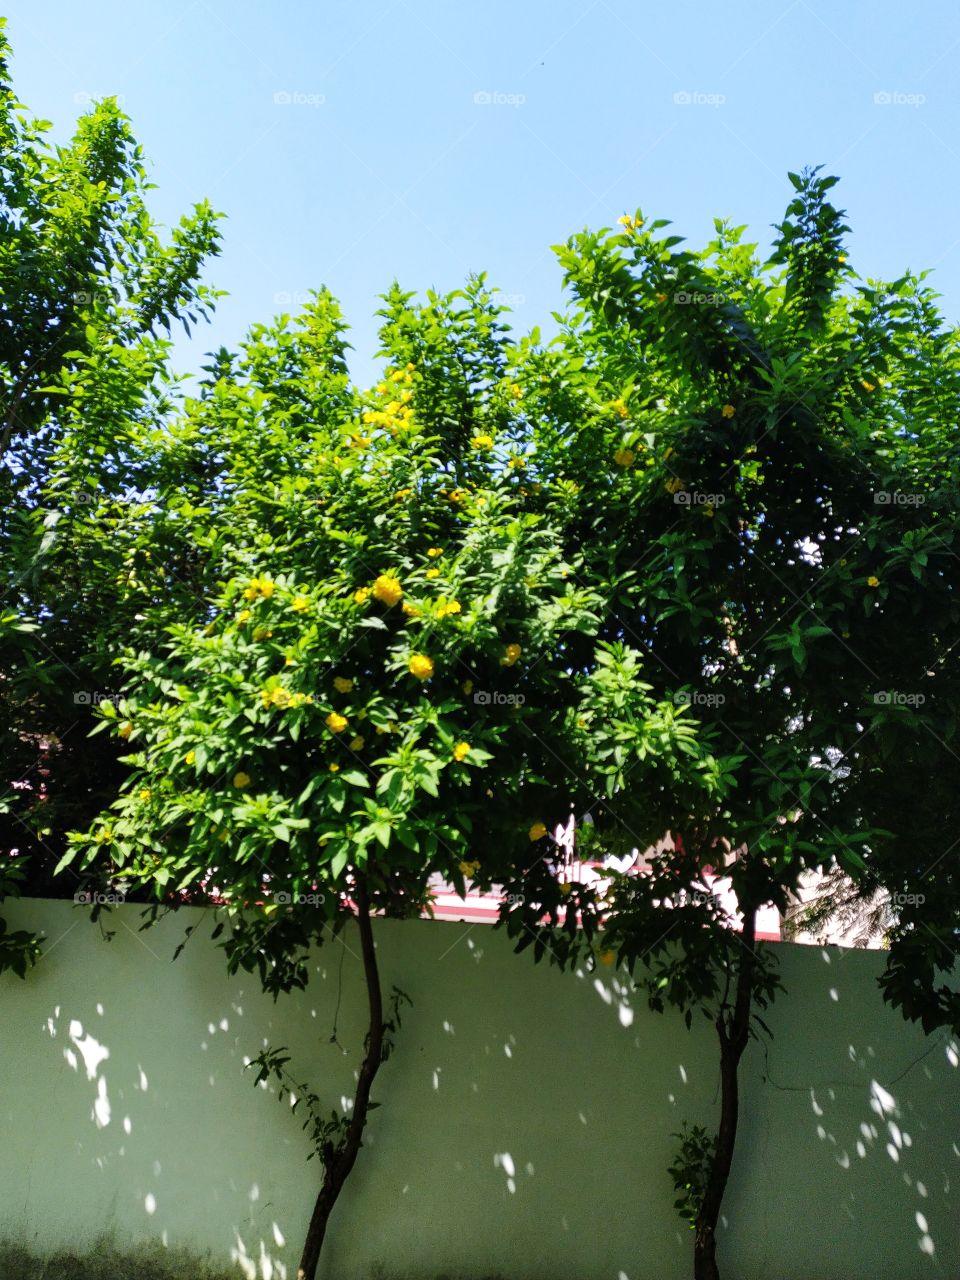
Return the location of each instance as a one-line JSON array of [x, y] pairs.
[[341, 1161], [734, 1034]]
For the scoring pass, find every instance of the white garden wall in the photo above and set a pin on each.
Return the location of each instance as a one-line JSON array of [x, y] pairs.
[[526, 1120]]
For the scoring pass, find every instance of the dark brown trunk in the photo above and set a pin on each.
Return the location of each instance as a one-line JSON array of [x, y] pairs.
[[337, 1168], [734, 1033]]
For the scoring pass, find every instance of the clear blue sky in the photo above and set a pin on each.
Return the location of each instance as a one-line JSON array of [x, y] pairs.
[[382, 164]]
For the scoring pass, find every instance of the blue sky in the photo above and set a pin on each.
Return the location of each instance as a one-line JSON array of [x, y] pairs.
[[351, 144]]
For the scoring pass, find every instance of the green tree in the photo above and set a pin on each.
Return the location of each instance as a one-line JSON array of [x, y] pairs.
[[88, 290], [380, 693], [758, 462]]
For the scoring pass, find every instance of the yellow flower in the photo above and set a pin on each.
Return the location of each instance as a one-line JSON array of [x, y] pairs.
[[456, 495], [566, 889], [467, 687], [624, 457], [191, 757], [510, 655], [469, 868], [842, 257], [728, 411], [125, 729], [625, 220], [334, 768], [461, 750], [421, 666], [361, 595], [516, 390], [241, 780], [453, 606], [300, 604], [432, 573], [434, 552], [244, 615], [382, 388], [104, 836], [708, 510], [867, 386], [262, 633], [621, 408], [401, 494], [660, 297], [396, 376], [537, 831], [517, 464], [873, 581], [335, 722], [356, 744], [482, 441], [411, 610], [674, 484], [388, 589], [145, 793], [406, 396], [342, 684]]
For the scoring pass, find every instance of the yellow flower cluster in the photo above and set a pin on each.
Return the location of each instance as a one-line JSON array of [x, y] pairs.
[[259, 588], [728, 411], [434, 552], [283, 698], [241, 780], [461, 751], [432, 573], [469, 868], [510, 655], [482, 441], [537, 831], [342, 684], [448, 608], [674, 484], [620, 407], [420, 666], [625, 457], [300, 604], [361, 595], [516, 390], [387, 589], [335, 722], [628, 223]]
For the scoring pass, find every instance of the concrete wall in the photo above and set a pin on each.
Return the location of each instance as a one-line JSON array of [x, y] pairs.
[[526, 1121]]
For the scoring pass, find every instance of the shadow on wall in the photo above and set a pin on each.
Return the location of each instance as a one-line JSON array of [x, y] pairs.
[[526, 1120]]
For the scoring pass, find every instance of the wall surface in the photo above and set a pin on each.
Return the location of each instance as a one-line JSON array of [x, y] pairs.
[[526, 1120]]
